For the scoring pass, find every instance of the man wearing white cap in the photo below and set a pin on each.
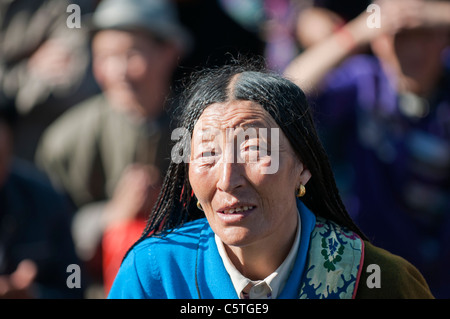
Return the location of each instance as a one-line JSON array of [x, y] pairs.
[[136, 46]]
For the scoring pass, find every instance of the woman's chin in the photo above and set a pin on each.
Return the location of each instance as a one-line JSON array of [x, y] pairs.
[[236, 236]]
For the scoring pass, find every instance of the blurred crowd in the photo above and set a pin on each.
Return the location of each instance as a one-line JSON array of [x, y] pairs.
[[85, 121]]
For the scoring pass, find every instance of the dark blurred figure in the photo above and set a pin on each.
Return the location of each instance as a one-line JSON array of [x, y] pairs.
[[347, 10], [257, 27], [35, 242], [385, 121], [217, 37], [91, 150], [44, 65]]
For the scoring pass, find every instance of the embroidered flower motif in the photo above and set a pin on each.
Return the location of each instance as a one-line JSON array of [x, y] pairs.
[[333, 272], [332, 252]]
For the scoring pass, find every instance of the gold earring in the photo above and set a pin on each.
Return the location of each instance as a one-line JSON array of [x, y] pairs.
[[301, 191], [199, 206]]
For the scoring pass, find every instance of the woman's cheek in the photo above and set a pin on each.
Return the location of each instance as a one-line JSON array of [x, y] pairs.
[[267, 165], [201, 179]]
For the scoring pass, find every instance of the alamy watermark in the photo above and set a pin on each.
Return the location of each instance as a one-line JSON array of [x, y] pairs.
[[228, 148], [74, 19], [373, 21], [74, 279], [374, 279]]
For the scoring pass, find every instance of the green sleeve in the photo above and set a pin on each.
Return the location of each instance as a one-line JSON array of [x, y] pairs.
[[399, 279]]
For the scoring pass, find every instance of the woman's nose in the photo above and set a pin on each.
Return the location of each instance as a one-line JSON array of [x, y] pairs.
[[231, 176]]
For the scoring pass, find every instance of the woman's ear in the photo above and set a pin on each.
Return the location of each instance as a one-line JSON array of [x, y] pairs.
[[304, 175]]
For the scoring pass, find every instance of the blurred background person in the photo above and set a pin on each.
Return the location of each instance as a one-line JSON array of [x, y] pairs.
[[126, 216], [218, 36], [385, 120], [320, 18], [36, 246], [286, 27], [44, 65], [136, 46]]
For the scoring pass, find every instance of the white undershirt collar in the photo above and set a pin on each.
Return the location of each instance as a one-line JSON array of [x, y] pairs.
[[272, 285]]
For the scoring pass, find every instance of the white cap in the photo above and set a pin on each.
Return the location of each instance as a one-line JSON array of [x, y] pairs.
[[158, 17]]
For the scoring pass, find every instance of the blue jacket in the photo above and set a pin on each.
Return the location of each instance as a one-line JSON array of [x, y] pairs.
[[186, 264]]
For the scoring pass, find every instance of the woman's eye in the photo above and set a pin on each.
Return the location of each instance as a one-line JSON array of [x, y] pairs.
[[209, 154], [253, 148], [259, 149]]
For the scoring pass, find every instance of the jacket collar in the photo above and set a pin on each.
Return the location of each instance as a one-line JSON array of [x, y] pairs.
[[212, 279]]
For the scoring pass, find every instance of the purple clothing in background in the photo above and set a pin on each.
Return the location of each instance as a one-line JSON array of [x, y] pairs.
[[391, 157]]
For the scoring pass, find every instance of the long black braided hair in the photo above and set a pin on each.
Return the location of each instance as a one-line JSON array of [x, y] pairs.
[[287, 104]]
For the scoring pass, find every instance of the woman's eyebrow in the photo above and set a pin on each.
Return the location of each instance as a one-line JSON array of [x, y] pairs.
[[207, 134]]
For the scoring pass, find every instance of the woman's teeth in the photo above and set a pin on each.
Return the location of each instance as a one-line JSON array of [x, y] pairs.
[[238, 209]]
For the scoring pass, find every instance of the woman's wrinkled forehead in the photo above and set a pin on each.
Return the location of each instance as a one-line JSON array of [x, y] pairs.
[[234, 114], [283, 101]]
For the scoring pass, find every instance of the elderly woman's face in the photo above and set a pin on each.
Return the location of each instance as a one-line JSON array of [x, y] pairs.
[[229, 174]]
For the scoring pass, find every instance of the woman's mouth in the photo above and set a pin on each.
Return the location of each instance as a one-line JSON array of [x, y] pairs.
[[236, 210], [235, 214]]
